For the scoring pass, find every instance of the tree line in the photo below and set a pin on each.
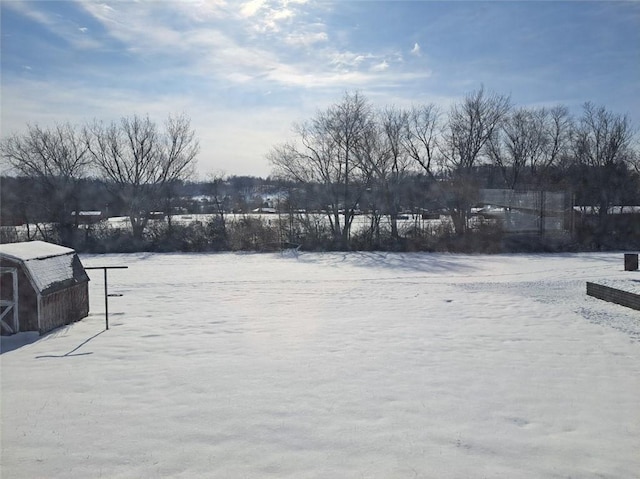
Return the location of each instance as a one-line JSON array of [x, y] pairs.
[[353, 147], [351, 157], [138, 160]]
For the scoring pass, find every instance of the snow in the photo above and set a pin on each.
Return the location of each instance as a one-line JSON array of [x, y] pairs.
[[33, 250], [48, 264], [360, 222], [51, 271], [302, 365], [628, 285]]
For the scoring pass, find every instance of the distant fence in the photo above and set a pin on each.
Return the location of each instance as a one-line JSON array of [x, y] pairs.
[[613, 295], [529, 211]]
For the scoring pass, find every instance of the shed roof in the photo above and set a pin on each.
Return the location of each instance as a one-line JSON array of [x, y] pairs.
[[49, 266], [33, 250]]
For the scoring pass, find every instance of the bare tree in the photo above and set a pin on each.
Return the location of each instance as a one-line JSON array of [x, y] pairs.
[[602, 137], [517, 143], [634, 160], [557, 132], [420, 139], [347, 123], [179, 149], [218, 225], [141, 162], [471, 124], [57, 158], [528, 143], [383, 154], [327, 154], [602, 146]]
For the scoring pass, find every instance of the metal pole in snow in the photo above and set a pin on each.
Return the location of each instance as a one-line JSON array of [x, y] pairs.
[[106, 300], [106, 289]]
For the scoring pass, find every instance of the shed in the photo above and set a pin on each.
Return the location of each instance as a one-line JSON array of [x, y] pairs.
[[42, 286]]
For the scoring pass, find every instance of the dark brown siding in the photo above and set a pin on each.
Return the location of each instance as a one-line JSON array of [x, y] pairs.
[[61, 307], [613, 295], [64, 307]]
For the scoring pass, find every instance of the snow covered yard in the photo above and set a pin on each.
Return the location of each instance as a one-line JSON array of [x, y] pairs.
[[359, 365]]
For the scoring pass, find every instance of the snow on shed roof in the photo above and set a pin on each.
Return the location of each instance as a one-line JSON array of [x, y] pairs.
[[33, 250], [51, 267]]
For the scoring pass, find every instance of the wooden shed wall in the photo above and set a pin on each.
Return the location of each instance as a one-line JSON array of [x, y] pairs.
[[27, 297], [56, 309], [64, 307]]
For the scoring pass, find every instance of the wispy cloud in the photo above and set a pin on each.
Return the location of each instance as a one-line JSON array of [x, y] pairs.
[[307, 38], [346, 61], [34, 14], [57, 25], [380, 67], [227, 62], [269, 16], [220, 49]]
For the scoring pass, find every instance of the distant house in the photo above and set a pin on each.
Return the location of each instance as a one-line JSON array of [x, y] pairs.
[[265, 210], [157, 215], [42, 286], [87, 217]]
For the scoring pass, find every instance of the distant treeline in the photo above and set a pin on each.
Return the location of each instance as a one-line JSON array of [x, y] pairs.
[[225, 222], [350, 160]]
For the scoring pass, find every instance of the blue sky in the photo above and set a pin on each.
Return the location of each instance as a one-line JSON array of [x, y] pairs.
[[245, 71]]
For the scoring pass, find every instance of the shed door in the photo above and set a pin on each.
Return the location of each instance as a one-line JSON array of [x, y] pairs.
[[9, 322]]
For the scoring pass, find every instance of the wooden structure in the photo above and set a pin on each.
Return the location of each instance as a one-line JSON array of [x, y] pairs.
[[42, 286], [614, 295], [631, 261], [87, 217]]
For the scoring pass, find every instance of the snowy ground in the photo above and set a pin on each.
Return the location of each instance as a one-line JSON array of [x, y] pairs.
[[362, 365]]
